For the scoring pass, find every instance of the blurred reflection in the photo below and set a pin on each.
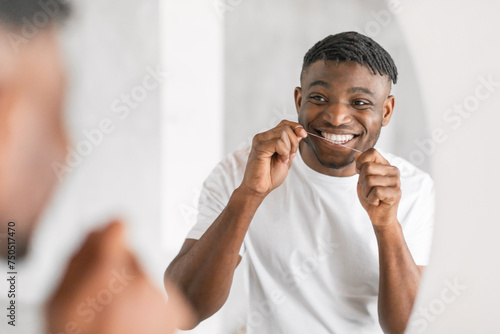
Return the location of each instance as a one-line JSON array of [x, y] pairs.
[[104, 289]]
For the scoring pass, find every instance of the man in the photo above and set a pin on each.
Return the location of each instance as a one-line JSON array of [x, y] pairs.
[[336, 240], [32, 137]]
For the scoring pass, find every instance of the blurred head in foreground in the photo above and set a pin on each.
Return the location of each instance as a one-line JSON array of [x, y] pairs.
[[104, 289], [31, 120]]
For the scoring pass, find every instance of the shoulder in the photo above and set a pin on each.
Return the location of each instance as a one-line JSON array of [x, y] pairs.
[[409, 173], [229, 171], [235, 162]]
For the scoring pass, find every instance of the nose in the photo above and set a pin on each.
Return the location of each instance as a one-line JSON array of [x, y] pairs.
[[338, 114]]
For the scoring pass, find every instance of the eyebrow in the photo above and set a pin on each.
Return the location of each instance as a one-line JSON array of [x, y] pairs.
[[319, 83], [350, 90], [360, 90]]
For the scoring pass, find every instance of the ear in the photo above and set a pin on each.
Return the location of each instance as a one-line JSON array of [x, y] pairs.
[[298, 98], [388, 110]]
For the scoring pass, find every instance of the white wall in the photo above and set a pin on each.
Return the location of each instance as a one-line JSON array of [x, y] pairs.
[[192, 128], [454, 44], [192, 108]]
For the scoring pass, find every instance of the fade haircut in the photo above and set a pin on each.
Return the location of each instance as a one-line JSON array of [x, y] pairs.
[[352, 46]]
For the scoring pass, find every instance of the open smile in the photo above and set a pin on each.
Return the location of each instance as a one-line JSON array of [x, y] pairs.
[[338, 138]]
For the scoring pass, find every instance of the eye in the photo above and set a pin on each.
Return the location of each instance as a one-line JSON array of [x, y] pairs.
[[318, 98], [361, 103]]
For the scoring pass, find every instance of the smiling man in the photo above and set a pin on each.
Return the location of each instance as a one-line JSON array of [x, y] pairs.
[[336, 240]]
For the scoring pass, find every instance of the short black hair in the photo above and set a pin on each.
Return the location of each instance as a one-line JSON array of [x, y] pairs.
[[352, 46], [15, 13]]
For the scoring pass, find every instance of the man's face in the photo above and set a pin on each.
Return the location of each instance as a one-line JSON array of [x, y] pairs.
[[32, 134], [345, 103]]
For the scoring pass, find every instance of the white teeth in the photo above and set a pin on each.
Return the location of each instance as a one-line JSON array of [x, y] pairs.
[[338, 139]]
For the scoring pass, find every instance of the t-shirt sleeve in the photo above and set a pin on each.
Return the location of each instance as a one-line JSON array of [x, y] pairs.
[[418, 230], [214, 196]]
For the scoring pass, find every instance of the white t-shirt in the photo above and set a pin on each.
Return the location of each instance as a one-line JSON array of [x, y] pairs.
[[311, 250]]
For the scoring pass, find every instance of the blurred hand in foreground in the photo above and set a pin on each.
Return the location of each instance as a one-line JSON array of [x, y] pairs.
[[104, 290]]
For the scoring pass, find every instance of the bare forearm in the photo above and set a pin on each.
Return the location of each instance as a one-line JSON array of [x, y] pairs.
[[205, 268], [205, 271], [399, 279]]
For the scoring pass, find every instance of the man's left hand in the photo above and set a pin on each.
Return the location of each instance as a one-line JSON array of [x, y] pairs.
[[379, 187]]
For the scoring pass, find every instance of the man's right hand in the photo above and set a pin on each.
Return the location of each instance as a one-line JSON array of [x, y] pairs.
[[271, 157], [204, 268]]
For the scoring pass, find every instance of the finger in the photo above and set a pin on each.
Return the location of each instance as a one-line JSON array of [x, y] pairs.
[[102, 245], [370, 155], [296, 127], [101, 249], [372, 181], [273, 133], [373, 168], [279, 147], [294, 139], [112, 242], [385, 195], [283, 147], [299, 131], [264, 141]]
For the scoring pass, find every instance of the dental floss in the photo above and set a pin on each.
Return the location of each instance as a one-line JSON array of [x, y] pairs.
[[331, 141]]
